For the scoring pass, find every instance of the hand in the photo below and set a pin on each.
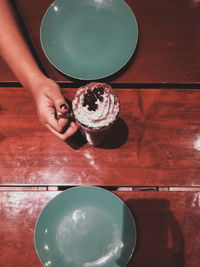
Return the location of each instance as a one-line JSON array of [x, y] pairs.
[[49, 100], [16, 52]]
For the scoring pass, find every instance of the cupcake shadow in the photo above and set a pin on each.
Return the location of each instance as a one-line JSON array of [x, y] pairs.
[[117, 136]]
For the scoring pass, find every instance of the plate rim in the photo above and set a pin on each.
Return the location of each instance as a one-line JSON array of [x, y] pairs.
[[92, 78], [88, 187]]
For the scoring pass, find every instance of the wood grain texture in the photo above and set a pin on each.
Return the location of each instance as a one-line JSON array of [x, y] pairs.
[[167, 227], [168, 49], [156, 142]]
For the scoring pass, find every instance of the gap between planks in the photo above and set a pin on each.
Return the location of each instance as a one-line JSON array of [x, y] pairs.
[[110, 188]]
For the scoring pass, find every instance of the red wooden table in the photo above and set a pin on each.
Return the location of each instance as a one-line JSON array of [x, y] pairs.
[[155, 143]]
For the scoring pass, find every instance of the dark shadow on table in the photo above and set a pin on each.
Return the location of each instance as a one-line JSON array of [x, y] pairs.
[[2, 137], [76, 141], [160, 241], [117, 136]]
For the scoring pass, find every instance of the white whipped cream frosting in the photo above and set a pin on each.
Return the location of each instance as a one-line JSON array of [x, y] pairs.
[[106, 111]]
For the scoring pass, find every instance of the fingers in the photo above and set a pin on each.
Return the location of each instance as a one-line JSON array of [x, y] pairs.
[[73, 127], [49, 103], [50, 120], [58, 127], [59, 102], [63, 108]]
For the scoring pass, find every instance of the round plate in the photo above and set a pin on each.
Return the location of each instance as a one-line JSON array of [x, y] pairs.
[[85, 227], [89, 39]]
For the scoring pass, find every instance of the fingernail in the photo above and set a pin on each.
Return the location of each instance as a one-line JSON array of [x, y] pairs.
[[63, 106]]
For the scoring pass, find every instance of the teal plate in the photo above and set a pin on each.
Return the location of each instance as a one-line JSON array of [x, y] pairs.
[[90, 39], [85, 227]]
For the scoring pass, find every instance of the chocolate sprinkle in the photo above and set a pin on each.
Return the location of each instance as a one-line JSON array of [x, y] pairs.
[[91, 97]]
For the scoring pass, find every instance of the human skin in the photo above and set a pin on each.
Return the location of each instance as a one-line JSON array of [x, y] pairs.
[[46, 93]]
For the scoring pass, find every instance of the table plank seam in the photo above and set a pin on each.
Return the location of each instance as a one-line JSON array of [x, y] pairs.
[[77, 84], [110, 188]]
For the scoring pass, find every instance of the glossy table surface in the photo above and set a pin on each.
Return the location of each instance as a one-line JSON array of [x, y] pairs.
[[167, 226], [154, 145], [156, 142], [168, 49]]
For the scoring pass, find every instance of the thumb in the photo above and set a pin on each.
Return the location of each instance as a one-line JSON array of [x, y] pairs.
[[60, 103]]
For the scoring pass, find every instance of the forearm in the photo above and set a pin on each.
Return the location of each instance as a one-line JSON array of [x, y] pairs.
[[15, 51]]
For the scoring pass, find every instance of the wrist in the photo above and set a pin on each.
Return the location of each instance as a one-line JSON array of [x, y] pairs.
[[36, 85]]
